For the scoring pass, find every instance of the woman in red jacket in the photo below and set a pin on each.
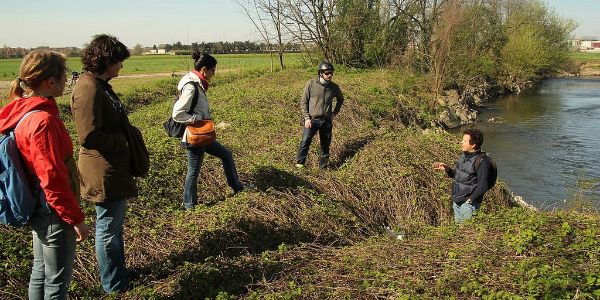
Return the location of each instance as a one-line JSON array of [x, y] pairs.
[[47, 153]]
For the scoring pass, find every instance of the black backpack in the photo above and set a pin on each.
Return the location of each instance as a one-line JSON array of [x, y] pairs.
[[493, 172], [176, 129]]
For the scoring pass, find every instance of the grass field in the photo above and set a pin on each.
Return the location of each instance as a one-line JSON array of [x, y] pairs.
[[149, 64], [585, 57], [311, 234], [146, 70]]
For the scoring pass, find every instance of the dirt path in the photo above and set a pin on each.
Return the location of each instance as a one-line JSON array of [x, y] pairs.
[[150, 75], [5, 84]]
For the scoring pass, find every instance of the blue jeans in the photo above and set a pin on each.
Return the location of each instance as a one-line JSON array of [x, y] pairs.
[[110, 251], [464, 211], [324, 127], [195, 158], [53, 255]]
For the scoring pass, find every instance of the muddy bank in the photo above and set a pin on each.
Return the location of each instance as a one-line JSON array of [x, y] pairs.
[[463, 106], [589, 69]]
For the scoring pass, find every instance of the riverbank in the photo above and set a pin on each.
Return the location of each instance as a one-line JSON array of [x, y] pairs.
[[226, 244], [312, 234], [462, 106], [589, 69], [583, 64]]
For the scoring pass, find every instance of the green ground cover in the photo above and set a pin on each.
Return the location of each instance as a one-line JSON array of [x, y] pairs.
[[309, 234], [585, 57]]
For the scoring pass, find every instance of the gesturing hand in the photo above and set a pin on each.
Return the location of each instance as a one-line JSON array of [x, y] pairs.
[[440, 166]]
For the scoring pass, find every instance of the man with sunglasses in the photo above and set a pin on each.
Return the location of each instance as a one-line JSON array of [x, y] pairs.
[[317, 112]]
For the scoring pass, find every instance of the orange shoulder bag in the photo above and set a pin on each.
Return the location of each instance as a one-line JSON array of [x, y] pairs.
[[201, 133]]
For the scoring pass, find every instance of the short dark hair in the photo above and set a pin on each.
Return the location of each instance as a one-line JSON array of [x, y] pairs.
[[475, 137], [103, 50], [202, 60]]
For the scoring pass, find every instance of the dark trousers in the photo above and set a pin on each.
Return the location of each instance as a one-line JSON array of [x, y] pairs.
[[324, 128]]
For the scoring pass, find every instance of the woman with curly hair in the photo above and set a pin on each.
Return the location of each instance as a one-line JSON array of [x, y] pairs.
[[104, 156]]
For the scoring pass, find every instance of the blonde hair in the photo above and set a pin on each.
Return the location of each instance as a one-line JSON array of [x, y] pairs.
[[36, 67]]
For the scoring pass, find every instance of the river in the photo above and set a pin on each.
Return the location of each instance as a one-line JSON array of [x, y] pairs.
[[548, 140]]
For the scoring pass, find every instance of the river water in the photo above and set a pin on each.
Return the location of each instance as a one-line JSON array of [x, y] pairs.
[[548, 140]]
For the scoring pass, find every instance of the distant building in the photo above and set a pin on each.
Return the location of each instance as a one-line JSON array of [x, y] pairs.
[[9, 52], [586, 44], [157, 51]]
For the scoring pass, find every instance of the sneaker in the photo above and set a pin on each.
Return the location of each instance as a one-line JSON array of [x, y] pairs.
[[245, 187], [188, 207], [300, 166]]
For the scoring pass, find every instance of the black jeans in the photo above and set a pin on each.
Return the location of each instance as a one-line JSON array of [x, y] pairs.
[[324, 127]]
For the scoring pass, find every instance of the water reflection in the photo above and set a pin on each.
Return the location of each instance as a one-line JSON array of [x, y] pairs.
[[513, 110]]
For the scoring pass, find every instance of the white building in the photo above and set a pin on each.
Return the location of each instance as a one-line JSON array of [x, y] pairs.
[[157, 51], [586, 44]]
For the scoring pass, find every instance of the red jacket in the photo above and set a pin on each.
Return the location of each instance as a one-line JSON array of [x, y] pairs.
[[44, 144]]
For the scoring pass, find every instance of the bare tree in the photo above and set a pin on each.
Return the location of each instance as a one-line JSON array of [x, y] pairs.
[[274, 8], [422, 15], [138, 49], [267, 17], [441, 43], [313, 20]]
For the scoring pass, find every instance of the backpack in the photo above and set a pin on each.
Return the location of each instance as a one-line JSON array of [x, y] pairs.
[[176, 129], [17, 198], [493, 171]]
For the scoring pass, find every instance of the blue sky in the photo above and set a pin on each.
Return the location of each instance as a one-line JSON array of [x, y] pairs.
[[585, 12], [29, 23]]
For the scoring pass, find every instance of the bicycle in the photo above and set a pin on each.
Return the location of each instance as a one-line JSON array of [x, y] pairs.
[[72, 81]]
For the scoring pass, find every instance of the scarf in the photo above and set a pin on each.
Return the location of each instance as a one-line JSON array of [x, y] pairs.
[[202, 79]]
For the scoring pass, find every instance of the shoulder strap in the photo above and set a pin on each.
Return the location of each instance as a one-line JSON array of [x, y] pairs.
[[37, 190], [24, 117], [477, 162], [117, 104], [195, 98]]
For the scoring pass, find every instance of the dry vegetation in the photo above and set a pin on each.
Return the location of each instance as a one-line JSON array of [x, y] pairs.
[[309, 234]]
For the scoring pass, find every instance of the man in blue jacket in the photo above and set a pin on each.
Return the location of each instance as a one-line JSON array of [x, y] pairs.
[[470, 181]]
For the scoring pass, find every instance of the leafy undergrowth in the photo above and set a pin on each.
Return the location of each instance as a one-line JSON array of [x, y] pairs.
[[510, 254], [300, 233]]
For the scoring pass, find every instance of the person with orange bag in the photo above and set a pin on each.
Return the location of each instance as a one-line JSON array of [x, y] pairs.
[[192, 108]]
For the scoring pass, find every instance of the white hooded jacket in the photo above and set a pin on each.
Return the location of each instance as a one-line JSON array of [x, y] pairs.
[[181, 107]]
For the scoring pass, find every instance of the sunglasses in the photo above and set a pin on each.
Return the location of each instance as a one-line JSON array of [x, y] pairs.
[[327, 73]]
